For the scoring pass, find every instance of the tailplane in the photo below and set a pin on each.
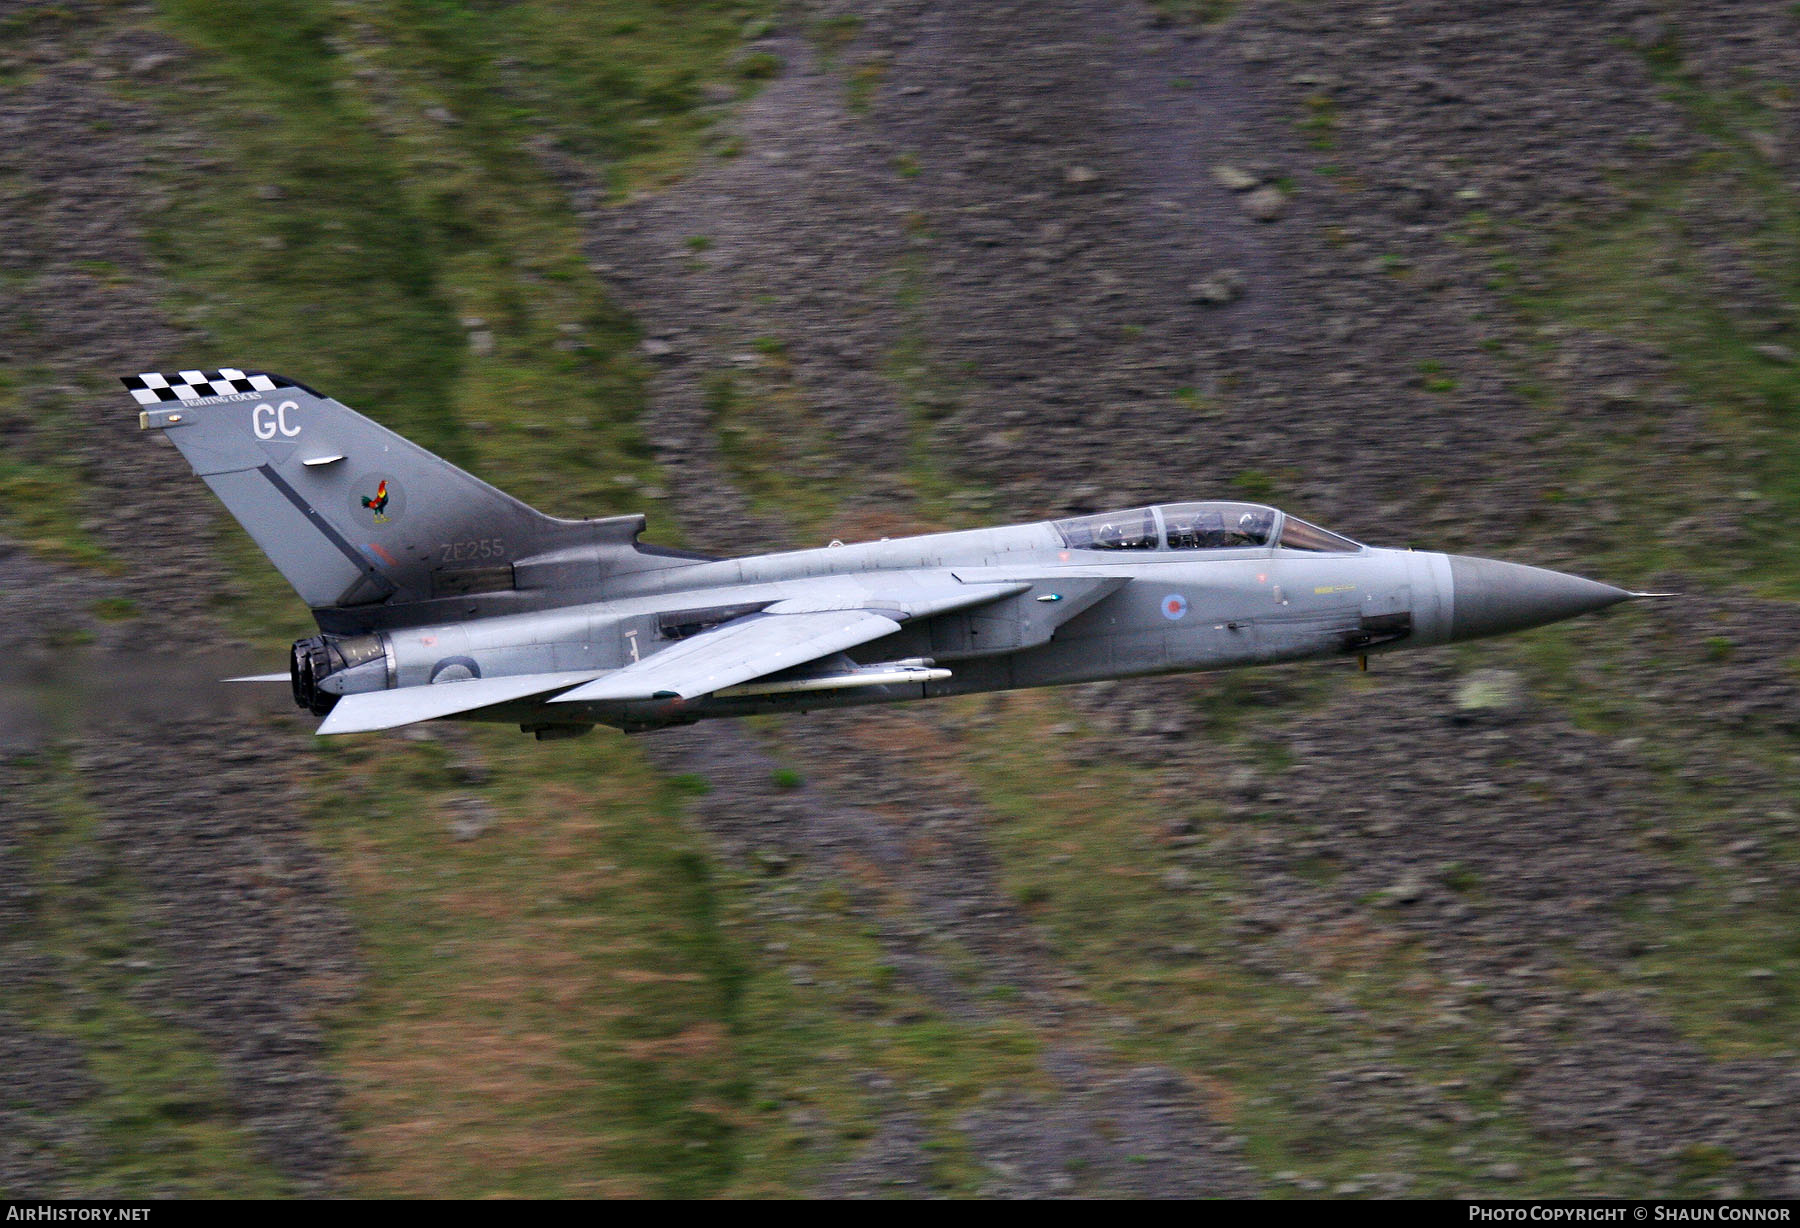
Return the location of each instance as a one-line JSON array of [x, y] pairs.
[[362, 521]]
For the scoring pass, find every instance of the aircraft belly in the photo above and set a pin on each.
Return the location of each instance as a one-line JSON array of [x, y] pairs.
[[1077, 659], [952, 635], [1209, 643], [1138, 651], [912, 640]]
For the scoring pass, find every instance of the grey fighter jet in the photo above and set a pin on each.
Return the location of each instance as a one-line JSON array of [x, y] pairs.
[[437, 595]]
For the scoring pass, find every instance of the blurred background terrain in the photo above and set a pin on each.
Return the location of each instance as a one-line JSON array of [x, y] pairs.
[[1521, 917]]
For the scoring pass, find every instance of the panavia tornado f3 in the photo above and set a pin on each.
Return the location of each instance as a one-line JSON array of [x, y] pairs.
[[437, 596]]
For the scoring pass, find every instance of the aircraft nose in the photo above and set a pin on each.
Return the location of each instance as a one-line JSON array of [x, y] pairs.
[[1491, 598]]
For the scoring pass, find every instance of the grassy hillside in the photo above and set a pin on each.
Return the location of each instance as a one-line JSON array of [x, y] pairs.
[[564, 1006], [582, 1001], [578, 981]]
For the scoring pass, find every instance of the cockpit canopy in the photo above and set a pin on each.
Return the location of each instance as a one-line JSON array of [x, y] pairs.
[[1198, 526]]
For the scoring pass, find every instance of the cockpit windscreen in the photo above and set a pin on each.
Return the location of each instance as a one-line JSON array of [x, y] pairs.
[[1298, 535], [1184, 526], [1217, 526], [1133, 530]]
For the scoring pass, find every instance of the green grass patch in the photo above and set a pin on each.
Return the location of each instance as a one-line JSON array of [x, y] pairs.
[[581, 1000], [943, 497], [1575, 669], [1320, 121], [832, 37], [376, 222], [1205, 12], [1722, 953], [1126, 873], [864, 80], [115, 609], [160, 1115], [557, 1006], [1650, 277], [1725, 965], [43, 489], [566, 1004], [624, 84], [776, 449]]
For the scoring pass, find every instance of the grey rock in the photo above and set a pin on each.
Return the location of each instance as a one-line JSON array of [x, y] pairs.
[[1265, 204], [1235, 178], [470, 817], [1218, 289], [1490, 693]]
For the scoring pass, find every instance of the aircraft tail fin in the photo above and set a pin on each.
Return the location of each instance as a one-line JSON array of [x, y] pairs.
[[360, 520]]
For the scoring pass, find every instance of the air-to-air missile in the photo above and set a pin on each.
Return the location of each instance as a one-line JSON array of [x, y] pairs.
[[437, 595]]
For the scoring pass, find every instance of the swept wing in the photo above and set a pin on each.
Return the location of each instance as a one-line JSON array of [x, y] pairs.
[[784, 635]]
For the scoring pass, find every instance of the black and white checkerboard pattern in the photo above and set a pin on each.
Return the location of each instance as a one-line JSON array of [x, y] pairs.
[[152, 388]]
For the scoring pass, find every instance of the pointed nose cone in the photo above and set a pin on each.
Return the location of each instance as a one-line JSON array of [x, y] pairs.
[[1492, 598]]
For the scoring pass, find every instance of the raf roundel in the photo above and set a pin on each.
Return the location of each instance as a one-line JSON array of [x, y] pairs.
[[1174, 606]]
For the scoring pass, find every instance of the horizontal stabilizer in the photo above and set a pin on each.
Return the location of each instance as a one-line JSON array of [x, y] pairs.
[[369, 710]]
